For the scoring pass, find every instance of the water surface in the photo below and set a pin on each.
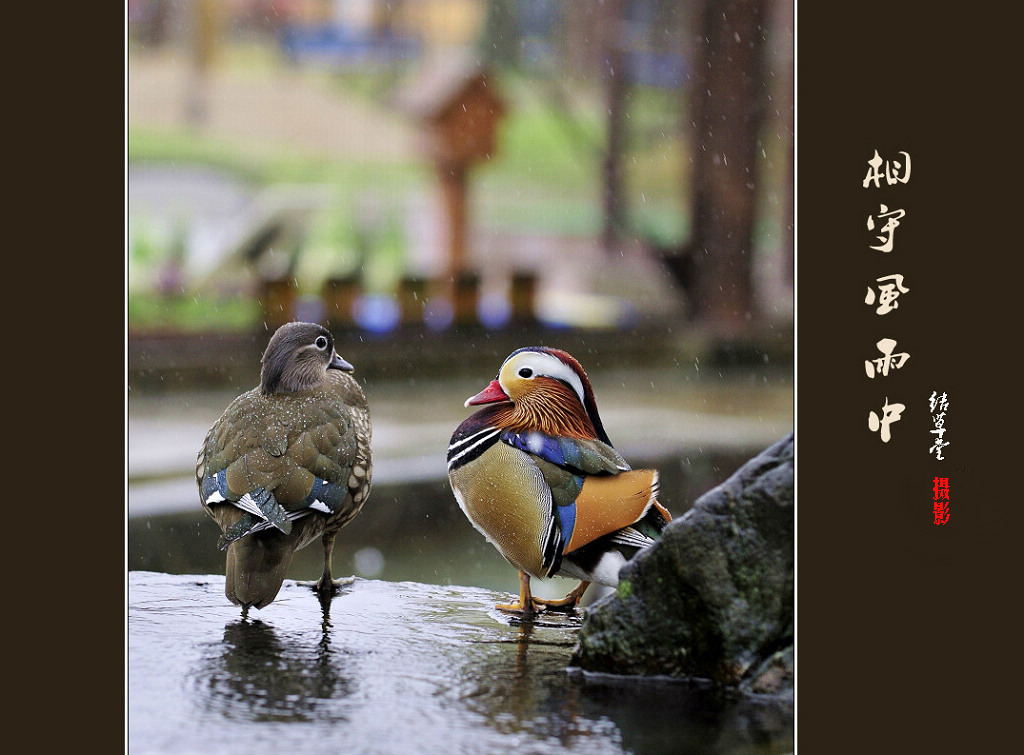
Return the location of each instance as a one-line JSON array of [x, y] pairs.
[[399, 667]]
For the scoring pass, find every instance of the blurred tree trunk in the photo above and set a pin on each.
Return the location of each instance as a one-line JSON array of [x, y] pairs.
[[785, 95], [728, 108], [614, 209]]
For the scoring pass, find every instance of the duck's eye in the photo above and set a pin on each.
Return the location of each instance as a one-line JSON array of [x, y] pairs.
[[321, 342], [525, 372]]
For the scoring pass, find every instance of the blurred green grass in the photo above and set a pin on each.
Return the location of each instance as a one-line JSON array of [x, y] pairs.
[[191, 313]]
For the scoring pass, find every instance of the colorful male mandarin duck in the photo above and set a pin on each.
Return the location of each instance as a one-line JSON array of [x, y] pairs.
[[287, 462], [537, 475]]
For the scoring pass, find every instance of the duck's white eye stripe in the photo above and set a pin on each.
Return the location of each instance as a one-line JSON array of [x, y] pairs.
[[546, 365], [320, 342]]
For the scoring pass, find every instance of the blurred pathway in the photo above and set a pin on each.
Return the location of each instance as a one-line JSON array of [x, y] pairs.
[[281, 107]]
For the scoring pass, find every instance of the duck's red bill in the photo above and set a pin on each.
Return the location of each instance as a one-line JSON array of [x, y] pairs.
[[488, 395]]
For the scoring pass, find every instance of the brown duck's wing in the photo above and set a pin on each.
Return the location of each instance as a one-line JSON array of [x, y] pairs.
[[309, 451]]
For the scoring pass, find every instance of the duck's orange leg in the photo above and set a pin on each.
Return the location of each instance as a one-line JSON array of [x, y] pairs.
[[527, 604]]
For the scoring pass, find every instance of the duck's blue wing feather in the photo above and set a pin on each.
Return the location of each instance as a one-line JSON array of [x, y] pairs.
[[582, 456]]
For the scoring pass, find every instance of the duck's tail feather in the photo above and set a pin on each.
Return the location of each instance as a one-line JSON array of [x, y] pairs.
[[256, 567]]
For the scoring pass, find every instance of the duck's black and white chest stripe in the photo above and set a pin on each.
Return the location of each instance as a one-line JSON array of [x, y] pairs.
[[463, 451], [471, 439]]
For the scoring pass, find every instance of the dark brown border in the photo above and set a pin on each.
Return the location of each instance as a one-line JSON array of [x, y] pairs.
[[905, 637]]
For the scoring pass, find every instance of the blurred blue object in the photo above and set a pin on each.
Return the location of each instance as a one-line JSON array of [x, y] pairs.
[[438, 314], [494, 310], [376, 313], [337, 45]]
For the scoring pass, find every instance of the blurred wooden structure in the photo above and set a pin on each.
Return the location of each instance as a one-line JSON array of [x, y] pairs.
[[277, 295], [340, 295], [455, 101]]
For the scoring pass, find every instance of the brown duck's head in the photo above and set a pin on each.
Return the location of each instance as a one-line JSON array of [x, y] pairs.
[[298, 357], [549, 389]]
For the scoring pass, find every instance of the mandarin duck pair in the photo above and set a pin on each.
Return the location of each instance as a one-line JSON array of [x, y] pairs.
[[534, 471]]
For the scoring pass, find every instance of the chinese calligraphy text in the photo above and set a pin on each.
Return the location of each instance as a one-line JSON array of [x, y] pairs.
[[938, 404], [887, 361], [893, 220], [880, 424], [886, 290], [889, 289], [891, 172]]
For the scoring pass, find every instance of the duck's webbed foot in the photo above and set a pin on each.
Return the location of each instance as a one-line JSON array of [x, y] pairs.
[[567, 604]]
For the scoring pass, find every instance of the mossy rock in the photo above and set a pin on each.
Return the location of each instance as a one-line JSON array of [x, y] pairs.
[[713, 598]]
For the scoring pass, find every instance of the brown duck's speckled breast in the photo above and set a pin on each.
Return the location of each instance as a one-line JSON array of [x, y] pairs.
[[505, 497]]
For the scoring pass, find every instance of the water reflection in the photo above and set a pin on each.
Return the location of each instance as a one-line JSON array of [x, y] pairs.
[[518, 684], [530, 693], [668, 716], [259, 673]]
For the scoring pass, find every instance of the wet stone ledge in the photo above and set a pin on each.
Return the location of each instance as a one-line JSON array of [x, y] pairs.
[[399, 667]]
